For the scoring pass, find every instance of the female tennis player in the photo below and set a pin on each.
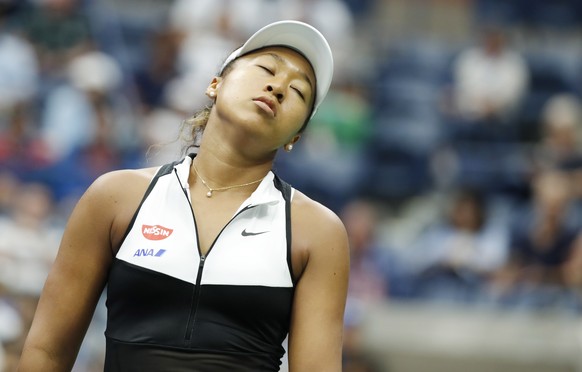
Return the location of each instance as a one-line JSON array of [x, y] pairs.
[[211, 261]]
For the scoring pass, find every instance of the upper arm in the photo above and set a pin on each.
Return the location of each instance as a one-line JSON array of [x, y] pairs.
[[315, 336], [76, 279]]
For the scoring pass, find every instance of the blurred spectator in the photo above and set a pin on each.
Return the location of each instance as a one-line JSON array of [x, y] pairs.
[[490, 79], [58, 29], [196, 16], [561, 121], [368, 258], [542, 240], [544, 243], [159, 68], [18, 69], [455, 256], [29, 240], [27, 249], [560, 146], [87, 124], [75, 112], [22, 149]]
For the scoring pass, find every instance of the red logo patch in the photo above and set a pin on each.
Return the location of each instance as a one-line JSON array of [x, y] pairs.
[[155, 232]]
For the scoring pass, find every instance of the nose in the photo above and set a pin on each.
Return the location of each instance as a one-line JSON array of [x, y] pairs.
[[276, 90]]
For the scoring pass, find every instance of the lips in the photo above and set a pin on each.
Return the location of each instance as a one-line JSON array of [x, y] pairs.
[[267, 104]]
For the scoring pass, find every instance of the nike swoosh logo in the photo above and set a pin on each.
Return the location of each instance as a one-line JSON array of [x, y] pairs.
[[245, 233]]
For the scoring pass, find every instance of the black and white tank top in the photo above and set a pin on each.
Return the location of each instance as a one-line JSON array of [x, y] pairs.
[[170, 308]]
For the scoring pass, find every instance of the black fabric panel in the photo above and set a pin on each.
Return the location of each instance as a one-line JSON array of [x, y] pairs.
[[249, 318], [146, 306], [123, 357]]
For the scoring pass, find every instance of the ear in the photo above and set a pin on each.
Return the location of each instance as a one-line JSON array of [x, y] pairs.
[[295, 138], [213, 87]]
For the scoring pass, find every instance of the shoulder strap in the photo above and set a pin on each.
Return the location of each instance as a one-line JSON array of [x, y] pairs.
[[286, 191]]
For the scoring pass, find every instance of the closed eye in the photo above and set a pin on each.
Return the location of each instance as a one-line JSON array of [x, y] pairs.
[[267, 69], [299, 93]]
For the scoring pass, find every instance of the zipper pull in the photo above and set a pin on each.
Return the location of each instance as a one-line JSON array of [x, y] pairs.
[[200, 267]]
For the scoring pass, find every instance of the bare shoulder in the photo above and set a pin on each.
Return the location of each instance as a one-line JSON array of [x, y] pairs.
[[316, 227], [122, 181], [120, 186], [114, 197], [313, 215]]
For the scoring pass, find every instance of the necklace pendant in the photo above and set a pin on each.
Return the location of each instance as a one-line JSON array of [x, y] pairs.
[[209, 194]]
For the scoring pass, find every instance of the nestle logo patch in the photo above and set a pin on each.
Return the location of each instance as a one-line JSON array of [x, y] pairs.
[[155, 232]]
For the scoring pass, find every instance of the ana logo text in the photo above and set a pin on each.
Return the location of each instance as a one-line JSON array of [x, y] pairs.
[[155, 232], [149, 252]]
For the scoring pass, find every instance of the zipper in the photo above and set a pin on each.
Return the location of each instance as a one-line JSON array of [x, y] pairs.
[[197, 286], [194, 303]]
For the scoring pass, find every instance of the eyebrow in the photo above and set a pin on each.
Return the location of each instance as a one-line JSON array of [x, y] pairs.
[[280, 59]]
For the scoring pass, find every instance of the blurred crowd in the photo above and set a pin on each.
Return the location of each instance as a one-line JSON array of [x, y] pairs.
[[449, 144]]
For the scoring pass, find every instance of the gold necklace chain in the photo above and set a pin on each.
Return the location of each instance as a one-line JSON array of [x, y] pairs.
[[211, 190]]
